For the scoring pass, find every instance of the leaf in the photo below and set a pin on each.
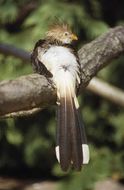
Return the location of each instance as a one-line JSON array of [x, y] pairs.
[[13, 135]]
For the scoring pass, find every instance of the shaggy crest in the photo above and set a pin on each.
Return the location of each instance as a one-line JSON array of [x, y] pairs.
[[61, 34], [58, 28]]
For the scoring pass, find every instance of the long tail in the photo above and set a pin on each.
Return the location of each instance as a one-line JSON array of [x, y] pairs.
[[72, 148]]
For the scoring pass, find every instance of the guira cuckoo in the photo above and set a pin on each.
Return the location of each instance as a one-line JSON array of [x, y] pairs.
[[56, 58]]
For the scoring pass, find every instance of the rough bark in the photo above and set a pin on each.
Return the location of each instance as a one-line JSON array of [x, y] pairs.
[[34, 91], [25, 93], [98, 53]]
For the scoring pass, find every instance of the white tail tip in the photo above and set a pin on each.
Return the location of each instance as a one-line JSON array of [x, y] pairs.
[[57, 153], [86, 154]]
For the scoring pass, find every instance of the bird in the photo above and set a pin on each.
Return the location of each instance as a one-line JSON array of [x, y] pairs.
[[56, 58]]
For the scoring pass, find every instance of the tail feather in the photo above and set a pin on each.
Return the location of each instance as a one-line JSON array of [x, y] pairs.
[[80, 125], [76, 142], [63, 134], [72, 148]]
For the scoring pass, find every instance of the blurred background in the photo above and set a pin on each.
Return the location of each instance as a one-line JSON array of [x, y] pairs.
[[27, 143]]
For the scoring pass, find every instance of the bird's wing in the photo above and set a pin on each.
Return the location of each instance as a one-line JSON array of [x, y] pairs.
[[38, 66]]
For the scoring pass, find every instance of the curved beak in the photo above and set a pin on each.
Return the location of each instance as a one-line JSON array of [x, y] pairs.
[[74, 37]]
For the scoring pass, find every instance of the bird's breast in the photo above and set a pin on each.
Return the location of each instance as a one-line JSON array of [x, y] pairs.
[[57, 58]]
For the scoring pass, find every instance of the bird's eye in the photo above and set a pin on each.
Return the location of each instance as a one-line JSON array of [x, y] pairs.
[[66, 33]]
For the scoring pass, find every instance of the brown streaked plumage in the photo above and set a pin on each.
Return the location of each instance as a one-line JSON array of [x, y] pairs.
[[55, 57], [61, 34]]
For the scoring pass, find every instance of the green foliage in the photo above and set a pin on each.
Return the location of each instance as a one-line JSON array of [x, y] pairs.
[[29, 142], [13, 134], [117, 121], [8, 11], [13, 67]]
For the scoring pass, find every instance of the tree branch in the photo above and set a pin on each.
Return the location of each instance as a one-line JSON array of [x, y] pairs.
[[25, 113], [97, 86], [34, 91], [25, 93], [105, 90], [98, 53], [7, 49]]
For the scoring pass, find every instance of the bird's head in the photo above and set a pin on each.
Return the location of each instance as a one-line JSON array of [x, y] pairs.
[[61, 34]]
